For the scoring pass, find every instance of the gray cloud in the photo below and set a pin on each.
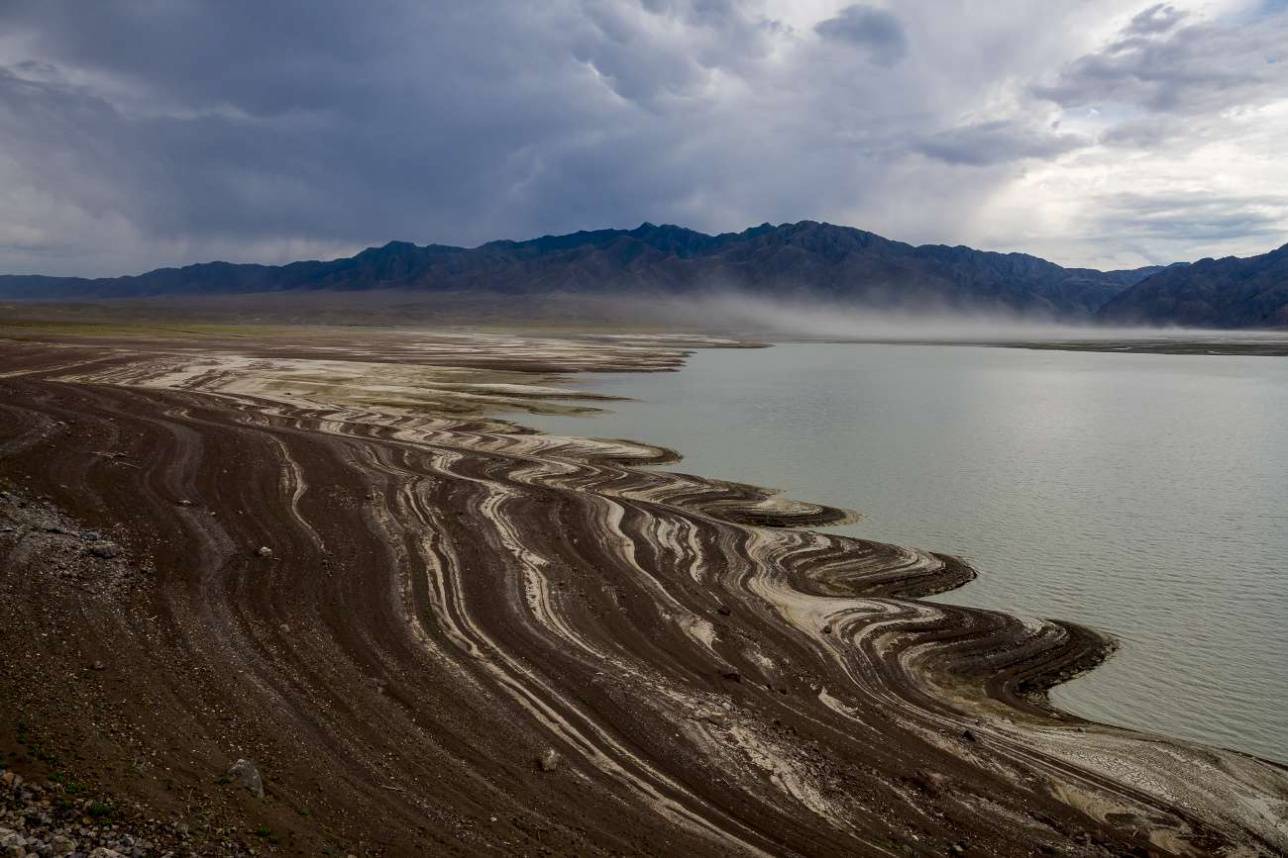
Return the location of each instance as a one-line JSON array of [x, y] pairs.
[[997, 142], [875, 31], [1156, 65], [291, 122], [1192, 217], [137, 135], [1152, 131], [1158, 18], [242, 128]]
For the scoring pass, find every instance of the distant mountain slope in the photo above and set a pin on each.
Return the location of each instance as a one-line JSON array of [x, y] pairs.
[[1250, 292], [818, 259]]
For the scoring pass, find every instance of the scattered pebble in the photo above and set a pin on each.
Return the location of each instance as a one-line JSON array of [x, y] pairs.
[[104, 549], [45, 821], [549, 761], [246, 774]]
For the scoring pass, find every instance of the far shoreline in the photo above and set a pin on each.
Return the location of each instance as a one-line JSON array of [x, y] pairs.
[[748, 320], [1272, 346]]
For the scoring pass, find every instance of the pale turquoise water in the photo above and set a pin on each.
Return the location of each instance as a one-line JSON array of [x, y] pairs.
[[1145, 495]]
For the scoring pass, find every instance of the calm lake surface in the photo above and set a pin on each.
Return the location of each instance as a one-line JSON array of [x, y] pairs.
[[1144, 495]]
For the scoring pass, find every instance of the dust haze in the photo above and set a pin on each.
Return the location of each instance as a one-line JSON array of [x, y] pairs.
[[786, 316], [812, 318]]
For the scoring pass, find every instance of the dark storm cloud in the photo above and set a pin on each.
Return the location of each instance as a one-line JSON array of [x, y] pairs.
[[283, 119], [354, 123], [326, 124], [874, 31], [137, 134], [997, 142]]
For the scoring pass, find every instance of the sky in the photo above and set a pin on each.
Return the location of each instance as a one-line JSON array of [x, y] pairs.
[[1098, 133]]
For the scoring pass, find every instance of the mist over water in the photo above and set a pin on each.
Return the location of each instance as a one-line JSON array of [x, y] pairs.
[[1145, 495]]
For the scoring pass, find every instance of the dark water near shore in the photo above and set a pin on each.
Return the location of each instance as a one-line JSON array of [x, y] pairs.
[[1145, 495]]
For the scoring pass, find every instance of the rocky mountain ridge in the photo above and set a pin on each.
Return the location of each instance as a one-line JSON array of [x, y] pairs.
[[806, 259]]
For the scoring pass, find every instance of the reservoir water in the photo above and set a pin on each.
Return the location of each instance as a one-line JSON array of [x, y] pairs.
[[1144, 495]]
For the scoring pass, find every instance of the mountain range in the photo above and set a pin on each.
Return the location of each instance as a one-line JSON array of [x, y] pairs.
[[1249, 292], [821, 260]]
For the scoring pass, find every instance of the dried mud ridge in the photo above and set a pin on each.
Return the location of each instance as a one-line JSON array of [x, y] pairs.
[[465, 638]]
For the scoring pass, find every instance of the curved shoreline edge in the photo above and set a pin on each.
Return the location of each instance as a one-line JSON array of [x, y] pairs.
[[449, 600]]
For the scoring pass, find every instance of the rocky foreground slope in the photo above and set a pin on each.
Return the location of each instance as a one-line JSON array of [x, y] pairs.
[[430, 632]]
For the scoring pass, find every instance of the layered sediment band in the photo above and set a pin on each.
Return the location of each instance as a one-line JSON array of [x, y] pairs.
[[471, 638]]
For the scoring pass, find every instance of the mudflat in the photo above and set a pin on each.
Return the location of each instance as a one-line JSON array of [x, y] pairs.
[[338, 554]]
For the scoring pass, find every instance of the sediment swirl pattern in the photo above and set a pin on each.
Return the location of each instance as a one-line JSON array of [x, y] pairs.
[[451, 598]]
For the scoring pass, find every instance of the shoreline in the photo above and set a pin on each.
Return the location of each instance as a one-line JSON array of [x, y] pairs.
[[1272, 344], [448, 595]]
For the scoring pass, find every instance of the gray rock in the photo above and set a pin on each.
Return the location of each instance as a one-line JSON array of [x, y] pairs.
[[246, 774], [104, 852], [106, 550], [549, 761], [930, 782], [62, 844], [263, 551]]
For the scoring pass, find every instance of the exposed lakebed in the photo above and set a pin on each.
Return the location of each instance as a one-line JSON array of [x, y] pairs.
[[1145, 495]]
